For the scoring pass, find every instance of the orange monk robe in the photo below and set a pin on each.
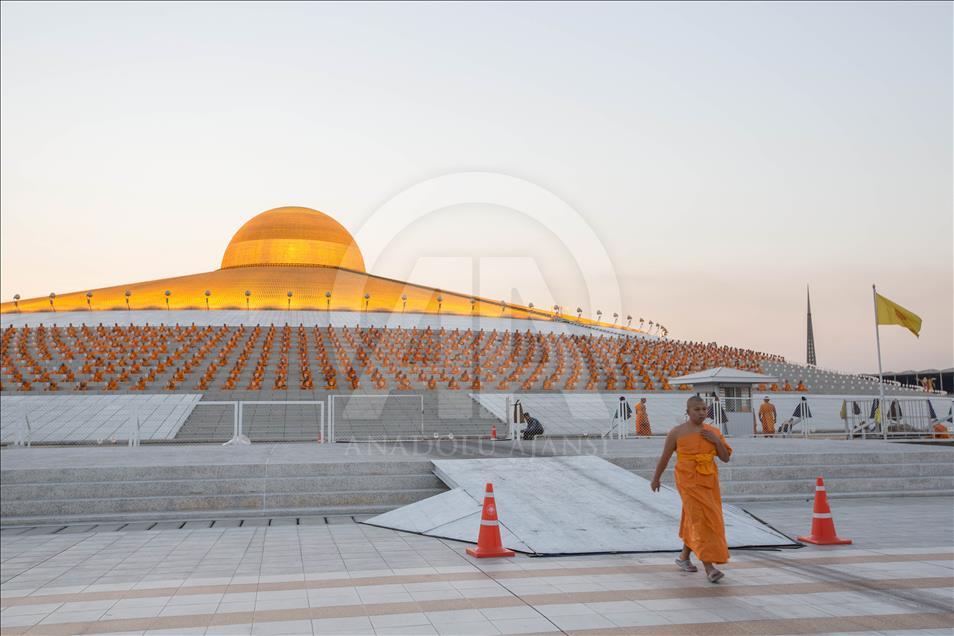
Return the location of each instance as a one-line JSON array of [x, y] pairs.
[[697, 479], [941, 432], [642, 420], [801, 387], [767, 416]]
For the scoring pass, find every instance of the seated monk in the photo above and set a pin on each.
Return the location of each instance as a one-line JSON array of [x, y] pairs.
[[52, 386], [453, 385], [331, 383], [788, 386], [801, 386], [774, 387], [431, 383], [80, 387], [762, 387], [940, 431]]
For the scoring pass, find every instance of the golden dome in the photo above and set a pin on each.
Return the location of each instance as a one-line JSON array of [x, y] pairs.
[[293, 236]]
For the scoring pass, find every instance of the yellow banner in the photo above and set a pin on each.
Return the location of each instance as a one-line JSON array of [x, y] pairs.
[[889, 313]]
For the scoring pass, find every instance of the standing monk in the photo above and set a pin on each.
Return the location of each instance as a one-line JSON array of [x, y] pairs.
[[767, 416], [642, 419], [701, 528]]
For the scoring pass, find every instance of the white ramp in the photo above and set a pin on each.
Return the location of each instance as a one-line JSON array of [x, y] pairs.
[[563, 505], [95, 418]]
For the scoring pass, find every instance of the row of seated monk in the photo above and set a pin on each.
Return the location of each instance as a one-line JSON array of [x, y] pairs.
[[786, 387], [402, 353]]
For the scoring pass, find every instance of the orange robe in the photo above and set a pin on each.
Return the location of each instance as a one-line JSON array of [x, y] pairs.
[[940, 431], [697, 479], [642, 420], [767, 416]]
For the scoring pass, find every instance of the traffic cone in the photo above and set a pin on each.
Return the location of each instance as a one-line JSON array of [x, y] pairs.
[[488, 540], [493, 432], [823, 526]]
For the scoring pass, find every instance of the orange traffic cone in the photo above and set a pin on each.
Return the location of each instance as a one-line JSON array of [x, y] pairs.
[[488, 540], [823, 526], [493, 431]]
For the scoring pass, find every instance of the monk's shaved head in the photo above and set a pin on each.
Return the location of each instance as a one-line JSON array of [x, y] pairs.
[[695, 399]]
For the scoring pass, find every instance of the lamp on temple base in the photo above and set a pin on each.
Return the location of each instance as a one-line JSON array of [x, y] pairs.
[[615, 318], [327, 301], [248, 294], [367, 300], [599, 314], [127, 294], [289, 294], [167, 293], [440, 300], [629, 320], [52, 298], [207, 294], [16, 302], [89, 301], [403, 302], [473, 305], [579, 313]]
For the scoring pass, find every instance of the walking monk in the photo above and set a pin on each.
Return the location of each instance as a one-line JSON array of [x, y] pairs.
[[768, 416], [697, 479], [642, 419]]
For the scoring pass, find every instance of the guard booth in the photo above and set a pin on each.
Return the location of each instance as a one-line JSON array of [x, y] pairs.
[[728, 396]]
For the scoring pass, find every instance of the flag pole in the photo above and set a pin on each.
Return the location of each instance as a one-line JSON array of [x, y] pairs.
[[884, 412]]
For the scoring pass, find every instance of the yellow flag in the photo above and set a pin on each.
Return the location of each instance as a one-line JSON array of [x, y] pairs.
[[889, 313]]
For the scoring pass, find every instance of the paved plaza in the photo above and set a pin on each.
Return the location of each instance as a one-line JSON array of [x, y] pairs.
[[330, 575]]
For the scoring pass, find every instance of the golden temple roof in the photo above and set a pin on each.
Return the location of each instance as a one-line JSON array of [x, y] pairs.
[[293, 236], [284, 258]]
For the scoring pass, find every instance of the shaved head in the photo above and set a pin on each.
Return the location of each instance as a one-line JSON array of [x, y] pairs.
[[696, 410]]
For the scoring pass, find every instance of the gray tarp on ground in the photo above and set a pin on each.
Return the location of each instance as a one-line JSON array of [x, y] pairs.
[[563, 505]]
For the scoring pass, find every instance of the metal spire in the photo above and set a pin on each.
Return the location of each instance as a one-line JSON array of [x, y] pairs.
[[811, 335]]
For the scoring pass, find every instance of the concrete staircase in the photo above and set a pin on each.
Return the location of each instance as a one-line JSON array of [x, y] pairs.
[[360, 416], [341, 486], [781, 476], [51, 495]]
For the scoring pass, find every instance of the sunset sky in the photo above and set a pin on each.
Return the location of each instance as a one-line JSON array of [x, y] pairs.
[[695, 164]]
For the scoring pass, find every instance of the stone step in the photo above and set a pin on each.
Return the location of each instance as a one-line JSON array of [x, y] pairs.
[[809, 498], [58, 510], [173, 518], [213, 487], [214, 471], [766, 474], [840, 485], [858, 458]]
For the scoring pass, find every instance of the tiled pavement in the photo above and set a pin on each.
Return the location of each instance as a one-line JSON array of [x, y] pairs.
[[346, 578]]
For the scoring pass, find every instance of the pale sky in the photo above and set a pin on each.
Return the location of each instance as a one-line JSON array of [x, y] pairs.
[[720, 157]]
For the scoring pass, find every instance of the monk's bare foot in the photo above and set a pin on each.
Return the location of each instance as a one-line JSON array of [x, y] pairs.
[[686, 565]]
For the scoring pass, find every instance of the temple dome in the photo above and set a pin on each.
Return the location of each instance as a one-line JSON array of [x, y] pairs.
[[293, 236]]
